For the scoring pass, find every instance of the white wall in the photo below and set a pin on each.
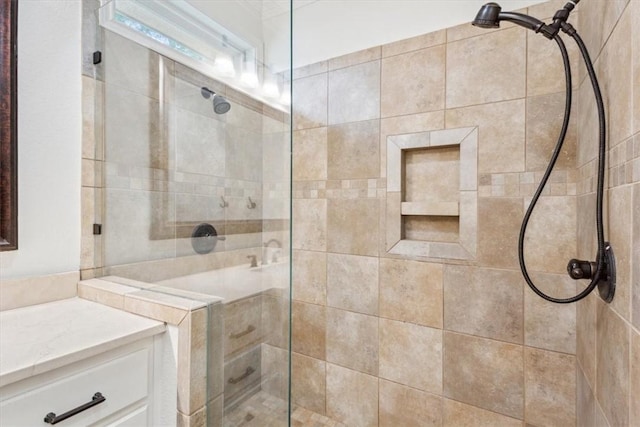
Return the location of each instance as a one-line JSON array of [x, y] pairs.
[[329, 28], [49, 139]]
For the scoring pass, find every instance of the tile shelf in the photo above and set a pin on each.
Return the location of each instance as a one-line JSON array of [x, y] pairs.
[[432, 194], [430, 208]]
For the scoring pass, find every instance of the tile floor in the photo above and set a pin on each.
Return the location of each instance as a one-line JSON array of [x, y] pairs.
[[265, 410]]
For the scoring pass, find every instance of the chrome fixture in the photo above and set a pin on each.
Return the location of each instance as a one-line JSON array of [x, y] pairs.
[[602, 271], [220, 103]]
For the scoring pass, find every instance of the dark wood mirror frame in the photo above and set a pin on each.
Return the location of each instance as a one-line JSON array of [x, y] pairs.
[[8, 125]]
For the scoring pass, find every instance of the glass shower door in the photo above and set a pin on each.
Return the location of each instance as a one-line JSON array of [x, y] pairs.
[[196, 181]]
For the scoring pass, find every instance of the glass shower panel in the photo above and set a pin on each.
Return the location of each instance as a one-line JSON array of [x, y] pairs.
[[197, 203]]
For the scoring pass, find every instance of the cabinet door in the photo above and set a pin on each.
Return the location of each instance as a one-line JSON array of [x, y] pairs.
[[136, 418], [123, 382]]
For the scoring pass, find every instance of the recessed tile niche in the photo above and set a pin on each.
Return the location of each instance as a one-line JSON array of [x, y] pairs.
[[432, 193]]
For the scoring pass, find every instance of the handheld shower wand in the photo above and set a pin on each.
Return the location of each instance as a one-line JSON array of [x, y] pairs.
[[602, 271]]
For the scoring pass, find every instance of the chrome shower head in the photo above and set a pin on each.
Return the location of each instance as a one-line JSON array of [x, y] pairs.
[[220, 103]]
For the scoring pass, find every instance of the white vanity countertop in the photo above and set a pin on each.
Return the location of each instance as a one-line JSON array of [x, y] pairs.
[[44, 337]]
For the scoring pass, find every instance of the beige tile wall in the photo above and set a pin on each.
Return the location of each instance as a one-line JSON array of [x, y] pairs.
[[379, 339], [608, 334]]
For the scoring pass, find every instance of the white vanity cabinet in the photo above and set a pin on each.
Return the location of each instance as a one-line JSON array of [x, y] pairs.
[[114, 376], [122, 377]]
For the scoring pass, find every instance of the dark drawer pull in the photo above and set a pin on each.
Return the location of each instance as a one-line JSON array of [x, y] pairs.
[[248, 372], [97, 399], [249, 329]]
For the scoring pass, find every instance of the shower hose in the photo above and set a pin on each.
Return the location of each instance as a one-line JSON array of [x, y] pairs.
[[600, 257]]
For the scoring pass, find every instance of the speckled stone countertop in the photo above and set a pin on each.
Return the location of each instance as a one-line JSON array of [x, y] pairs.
[[44, 337]]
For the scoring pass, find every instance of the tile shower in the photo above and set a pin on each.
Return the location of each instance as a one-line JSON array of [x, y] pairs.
[[388, 339], [417, 339]]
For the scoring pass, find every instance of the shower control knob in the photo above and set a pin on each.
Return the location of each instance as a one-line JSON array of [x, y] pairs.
[[579, 269]]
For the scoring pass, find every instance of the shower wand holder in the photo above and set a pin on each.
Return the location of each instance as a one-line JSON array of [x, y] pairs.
[[579, 269]]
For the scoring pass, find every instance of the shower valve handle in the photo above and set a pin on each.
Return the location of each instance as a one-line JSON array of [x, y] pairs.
[[579, 269]]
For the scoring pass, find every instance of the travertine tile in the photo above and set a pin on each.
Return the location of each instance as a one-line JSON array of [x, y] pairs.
[[354, 93], [308, 382], [497, 62], [130, 215], [634, 391], [411, 355], [133, 132], [484, 302], [310, 102], [131, 66], [352, 397], [353, 150], [275, 320], [352, 226], [404, 406], [310, 224], [157, 306], [354, 58], [498, 227], [88, 118], [586, 241], [23, 292], [88, 218], [414, 43], [310, 277], [635, 255], [635, 17], [550, 241], [620, 237], [215, 412], [411, 291], [107, 293], [550, 388], [466, 30], [198, 419], [484, 373], [310, 70], [393, 220], [431, 175], [545, 69], [456, 414], [544, 121], [600, 419], [352, 340], [310, 154], [308, 329], [275, 371], [243, 154], [612, 373], [600, 18], [192, 362], [548, 325], [501, 134], [586, 336], [215, 352], [588, 129], [547, 9], [412, 123], [616, 79], [585, 401], [352, 283], [201, 146], [413, 82]]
